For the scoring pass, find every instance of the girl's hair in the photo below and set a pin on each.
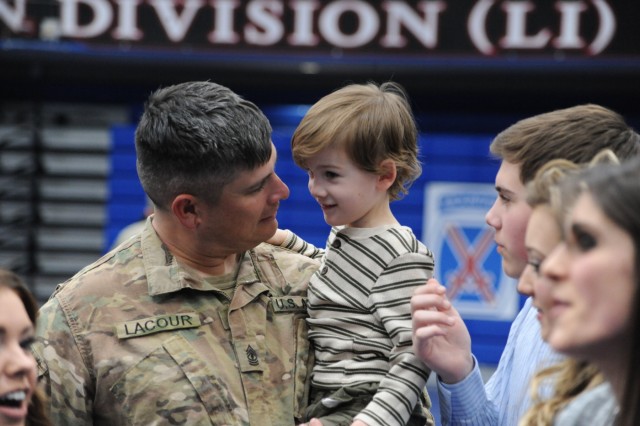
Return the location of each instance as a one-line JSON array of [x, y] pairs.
[[569, 377], [545, 188], [37, 415]]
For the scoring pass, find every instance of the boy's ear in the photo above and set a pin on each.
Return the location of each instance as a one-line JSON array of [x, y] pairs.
[[388, 174], [184, 208]]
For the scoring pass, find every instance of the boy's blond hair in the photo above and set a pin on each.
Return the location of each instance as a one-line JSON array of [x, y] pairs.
[[372, 123]]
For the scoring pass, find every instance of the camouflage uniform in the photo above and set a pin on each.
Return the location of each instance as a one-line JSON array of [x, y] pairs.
[[137, 339]]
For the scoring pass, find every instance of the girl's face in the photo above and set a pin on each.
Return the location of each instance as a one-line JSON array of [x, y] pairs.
[[543, 235], [17, 365], [593, 284]]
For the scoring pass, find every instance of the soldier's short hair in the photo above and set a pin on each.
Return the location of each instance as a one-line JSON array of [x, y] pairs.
[[194, 138]]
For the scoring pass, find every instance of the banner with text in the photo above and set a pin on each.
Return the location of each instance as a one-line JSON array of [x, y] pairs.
[[503, 31]]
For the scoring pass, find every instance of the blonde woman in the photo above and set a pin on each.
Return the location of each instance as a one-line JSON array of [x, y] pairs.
[[554, 386]]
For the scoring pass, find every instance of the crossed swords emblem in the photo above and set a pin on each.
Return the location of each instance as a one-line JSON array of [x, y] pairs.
[[469, 256]]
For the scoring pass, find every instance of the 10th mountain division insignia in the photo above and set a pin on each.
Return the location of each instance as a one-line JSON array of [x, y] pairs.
[[466, 258]]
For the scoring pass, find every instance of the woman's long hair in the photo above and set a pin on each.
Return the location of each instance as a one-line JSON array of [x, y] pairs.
[[568, 378]]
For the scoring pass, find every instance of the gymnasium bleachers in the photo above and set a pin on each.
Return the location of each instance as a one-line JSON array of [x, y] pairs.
[[54, 165]]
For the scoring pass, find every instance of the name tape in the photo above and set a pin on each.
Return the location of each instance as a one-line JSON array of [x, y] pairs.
[[151, 325]]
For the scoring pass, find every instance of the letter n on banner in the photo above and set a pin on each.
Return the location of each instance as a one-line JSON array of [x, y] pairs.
[[467, 262]]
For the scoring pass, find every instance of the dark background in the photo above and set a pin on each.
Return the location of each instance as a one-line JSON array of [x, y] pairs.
[[454, 97]]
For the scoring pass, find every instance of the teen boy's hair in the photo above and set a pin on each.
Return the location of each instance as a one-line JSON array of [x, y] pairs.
[[576, 134]]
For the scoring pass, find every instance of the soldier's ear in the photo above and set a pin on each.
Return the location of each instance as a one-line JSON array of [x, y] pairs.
[[185, 209]]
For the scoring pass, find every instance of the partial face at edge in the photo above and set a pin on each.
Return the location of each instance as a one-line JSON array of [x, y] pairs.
[[17, 364]]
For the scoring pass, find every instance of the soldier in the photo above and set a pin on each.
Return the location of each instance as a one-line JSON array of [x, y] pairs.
[[194, 320]]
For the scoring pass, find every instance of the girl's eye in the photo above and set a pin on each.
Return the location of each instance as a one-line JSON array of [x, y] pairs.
[[27, 343], [585, 241], [535, 264], [330, 175], [581, 238]]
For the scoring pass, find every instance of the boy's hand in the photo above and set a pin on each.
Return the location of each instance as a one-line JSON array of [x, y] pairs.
[[278, 238]]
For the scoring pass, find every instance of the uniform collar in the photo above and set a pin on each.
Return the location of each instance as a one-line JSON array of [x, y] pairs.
[[165, 275]]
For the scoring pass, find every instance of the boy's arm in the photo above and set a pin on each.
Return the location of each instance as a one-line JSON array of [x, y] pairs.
[[287, 239]]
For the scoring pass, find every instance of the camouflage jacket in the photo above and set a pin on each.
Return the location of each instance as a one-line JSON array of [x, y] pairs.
[[135, 339]]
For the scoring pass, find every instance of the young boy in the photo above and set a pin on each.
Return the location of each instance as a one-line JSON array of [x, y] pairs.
[[359, 147]]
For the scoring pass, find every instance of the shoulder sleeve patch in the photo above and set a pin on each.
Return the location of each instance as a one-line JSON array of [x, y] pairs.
[[289, 304]]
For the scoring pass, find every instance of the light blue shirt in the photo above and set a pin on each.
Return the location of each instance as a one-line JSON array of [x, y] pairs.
[[506, 396]]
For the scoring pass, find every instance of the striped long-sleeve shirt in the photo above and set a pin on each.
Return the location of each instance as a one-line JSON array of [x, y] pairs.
[[360, 316]]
